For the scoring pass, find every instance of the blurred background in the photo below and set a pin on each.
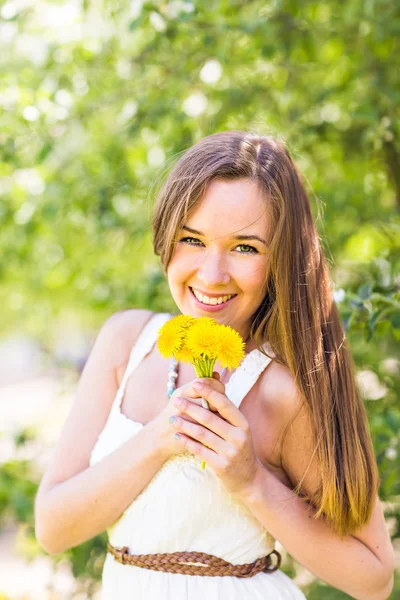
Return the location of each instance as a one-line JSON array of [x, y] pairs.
[[98, 99]]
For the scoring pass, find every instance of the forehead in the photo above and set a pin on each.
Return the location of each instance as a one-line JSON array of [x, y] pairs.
[[230, 206]]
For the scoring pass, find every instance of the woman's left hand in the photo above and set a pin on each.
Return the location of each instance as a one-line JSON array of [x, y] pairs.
[[230, 450]]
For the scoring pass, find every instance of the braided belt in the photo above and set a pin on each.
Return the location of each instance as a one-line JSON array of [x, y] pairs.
[[185, 563]]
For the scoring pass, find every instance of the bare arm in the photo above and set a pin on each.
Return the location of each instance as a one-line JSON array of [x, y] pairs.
[[76, 501], [80, 508], [361, 564], [348, 565]]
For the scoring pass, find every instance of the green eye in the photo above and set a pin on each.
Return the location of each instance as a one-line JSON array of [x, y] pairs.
[[250, 249], [191, 241]]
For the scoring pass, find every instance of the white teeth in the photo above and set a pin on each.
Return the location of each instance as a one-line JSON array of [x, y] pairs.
[[213, 301]]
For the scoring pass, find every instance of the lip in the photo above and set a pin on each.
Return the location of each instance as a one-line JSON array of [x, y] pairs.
[[210, 307]]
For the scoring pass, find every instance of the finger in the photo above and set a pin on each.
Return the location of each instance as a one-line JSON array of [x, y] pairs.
[[221, 402], [193, 397], [212, 382], [207, 454], [216, 384], [188, 390], [201, 434], [216, 375], [211, 421], [186, 400]]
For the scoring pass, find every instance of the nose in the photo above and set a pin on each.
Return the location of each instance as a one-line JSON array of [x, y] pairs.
[[213, 272]]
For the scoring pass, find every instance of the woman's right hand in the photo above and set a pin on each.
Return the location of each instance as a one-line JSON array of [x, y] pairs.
[[164, 430]]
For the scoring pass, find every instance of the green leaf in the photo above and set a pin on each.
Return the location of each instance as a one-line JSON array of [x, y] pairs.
[[365, 291], [395, 321]]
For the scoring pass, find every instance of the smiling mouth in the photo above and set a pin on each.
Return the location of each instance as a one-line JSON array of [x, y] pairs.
[[207, 301]]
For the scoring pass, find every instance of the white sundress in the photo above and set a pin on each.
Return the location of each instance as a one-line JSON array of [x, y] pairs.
[[186, 508]]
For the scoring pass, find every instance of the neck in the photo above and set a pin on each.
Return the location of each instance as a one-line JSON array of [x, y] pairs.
[[248, 345]]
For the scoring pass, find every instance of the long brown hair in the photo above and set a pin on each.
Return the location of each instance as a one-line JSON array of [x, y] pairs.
[[298, 316]]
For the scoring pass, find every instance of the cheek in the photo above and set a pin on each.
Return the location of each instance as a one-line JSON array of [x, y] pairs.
[[183, 263], [178, 272], [253, 276]]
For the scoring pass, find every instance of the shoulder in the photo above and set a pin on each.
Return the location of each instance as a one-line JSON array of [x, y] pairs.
[[292, 418], [119, 333], [280, 394]]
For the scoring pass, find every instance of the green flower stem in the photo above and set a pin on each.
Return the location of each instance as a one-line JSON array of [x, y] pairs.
[[204, 368]]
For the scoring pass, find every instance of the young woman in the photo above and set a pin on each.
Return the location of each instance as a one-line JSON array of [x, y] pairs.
[[286, 443]]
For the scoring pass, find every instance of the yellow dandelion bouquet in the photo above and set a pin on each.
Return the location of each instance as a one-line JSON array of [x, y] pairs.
[[201, 341]]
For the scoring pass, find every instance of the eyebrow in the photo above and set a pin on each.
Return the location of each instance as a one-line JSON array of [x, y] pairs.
[[235, 237]]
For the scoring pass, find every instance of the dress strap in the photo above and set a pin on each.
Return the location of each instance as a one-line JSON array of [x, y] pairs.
[[140, 349], [245, 376]]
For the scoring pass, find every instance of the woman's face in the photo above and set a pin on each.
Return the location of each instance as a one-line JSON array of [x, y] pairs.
[[221, 251]]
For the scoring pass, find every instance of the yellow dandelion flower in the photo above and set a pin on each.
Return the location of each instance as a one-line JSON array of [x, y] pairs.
[[184, 354], [171, 335], [205, 320], [182, 321], [169, 342], [231, 347], [202, 340]]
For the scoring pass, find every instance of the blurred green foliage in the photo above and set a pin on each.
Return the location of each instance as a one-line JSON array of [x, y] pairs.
[[97, 101]]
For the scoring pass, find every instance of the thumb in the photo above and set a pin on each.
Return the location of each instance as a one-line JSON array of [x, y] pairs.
[[216, 375]]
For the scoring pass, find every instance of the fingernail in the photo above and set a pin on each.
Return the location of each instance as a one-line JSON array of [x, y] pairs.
[[172, 420], [178, 401], [197, 385], [177, 436]]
